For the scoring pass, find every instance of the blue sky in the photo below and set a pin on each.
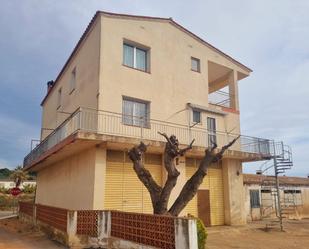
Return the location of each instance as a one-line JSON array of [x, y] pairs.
[[271, 37]]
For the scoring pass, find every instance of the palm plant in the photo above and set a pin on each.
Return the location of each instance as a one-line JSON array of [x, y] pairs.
[[19, 175]]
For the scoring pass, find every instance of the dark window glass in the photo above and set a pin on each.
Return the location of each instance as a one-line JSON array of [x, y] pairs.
[[254, 198], [135, 57], [141, 59], [211, 127], [195, 64], [196, 116], [128, 55], [135, 113]]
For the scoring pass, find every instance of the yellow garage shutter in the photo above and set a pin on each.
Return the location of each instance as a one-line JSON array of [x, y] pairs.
[[123, 184], [216, 195], [114, 180], [212, 181], [191, 207], [132, 190]]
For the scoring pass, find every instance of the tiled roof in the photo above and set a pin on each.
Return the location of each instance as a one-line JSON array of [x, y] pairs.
[[284, 180], [116, 15]]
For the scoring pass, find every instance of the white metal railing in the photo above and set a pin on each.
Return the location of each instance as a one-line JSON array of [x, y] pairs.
[[103, 122], [220, 98]]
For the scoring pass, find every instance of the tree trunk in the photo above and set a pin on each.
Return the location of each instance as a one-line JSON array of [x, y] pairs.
[[189, 190], [144, 175], [160, 196]]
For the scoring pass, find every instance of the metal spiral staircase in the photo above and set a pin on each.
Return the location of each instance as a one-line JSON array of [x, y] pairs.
[[281, 161]]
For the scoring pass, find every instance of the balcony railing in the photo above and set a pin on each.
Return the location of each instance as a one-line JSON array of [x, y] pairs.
[[103, 122], [220, 98]]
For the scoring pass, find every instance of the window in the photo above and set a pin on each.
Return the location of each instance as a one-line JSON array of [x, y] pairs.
[[196, 116], [135, 57], [73, 80], [266, 191], [211, 126], [254, 198], [135, 112], [195, 64], [292, 191], [59, 98], [292, 197]]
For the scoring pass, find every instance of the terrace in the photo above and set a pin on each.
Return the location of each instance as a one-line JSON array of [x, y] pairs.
[[117, 125]]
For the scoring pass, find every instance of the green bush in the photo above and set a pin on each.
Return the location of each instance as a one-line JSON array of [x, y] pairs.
[[7, 202], [3, 190], [29, 188], [201, 233]]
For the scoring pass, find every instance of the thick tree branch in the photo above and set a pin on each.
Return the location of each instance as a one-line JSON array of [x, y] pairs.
[[170, 153], [183, 151], [224, 148], [190, 188], [166, 137], [143, 174]]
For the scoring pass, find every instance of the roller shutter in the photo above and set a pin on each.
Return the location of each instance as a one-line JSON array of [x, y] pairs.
[[191, 208], [123, 189], [214, 182], [216, 195]]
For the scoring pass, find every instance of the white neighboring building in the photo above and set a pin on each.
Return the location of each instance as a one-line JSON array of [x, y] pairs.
[[9, 183], [260, 198]]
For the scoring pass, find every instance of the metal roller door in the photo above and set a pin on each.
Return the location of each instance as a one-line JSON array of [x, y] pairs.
[[123, 189], [214, 183]]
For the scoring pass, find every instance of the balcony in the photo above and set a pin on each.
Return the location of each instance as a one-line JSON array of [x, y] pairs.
[[115, 124], [220, 98]]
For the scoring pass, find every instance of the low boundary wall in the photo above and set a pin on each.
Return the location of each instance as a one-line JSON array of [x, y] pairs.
[[111, 229]]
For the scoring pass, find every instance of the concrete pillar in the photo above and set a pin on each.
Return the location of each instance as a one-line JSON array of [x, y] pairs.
[[104, 229], [99, 178], [185, 233], [234, 209], [104, 224], [233, 90], [72, 229], [34, 215]]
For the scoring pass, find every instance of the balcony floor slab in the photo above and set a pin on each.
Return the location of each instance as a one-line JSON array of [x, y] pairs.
[[81, 140]]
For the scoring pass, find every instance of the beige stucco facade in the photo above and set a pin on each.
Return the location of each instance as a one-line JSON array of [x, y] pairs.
[[86, 61], [73, 173], [170, 84]]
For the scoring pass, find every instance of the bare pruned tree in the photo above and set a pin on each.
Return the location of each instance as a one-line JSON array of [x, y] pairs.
[[160, 195]]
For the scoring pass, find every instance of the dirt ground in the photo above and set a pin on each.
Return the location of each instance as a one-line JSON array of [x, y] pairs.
[[254, 236], [16, 235]]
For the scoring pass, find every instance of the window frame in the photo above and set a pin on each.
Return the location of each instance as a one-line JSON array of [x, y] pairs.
[[198, 61], [200, 116], [136, 46], [145, 124], [255, 202], [73, 80], [59, 98], [212, 133]]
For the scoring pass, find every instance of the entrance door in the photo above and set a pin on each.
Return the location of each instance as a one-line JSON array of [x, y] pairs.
[[203, 206]]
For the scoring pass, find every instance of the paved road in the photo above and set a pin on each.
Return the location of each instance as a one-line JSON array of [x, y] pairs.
[[10, 239], [5, 213]]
